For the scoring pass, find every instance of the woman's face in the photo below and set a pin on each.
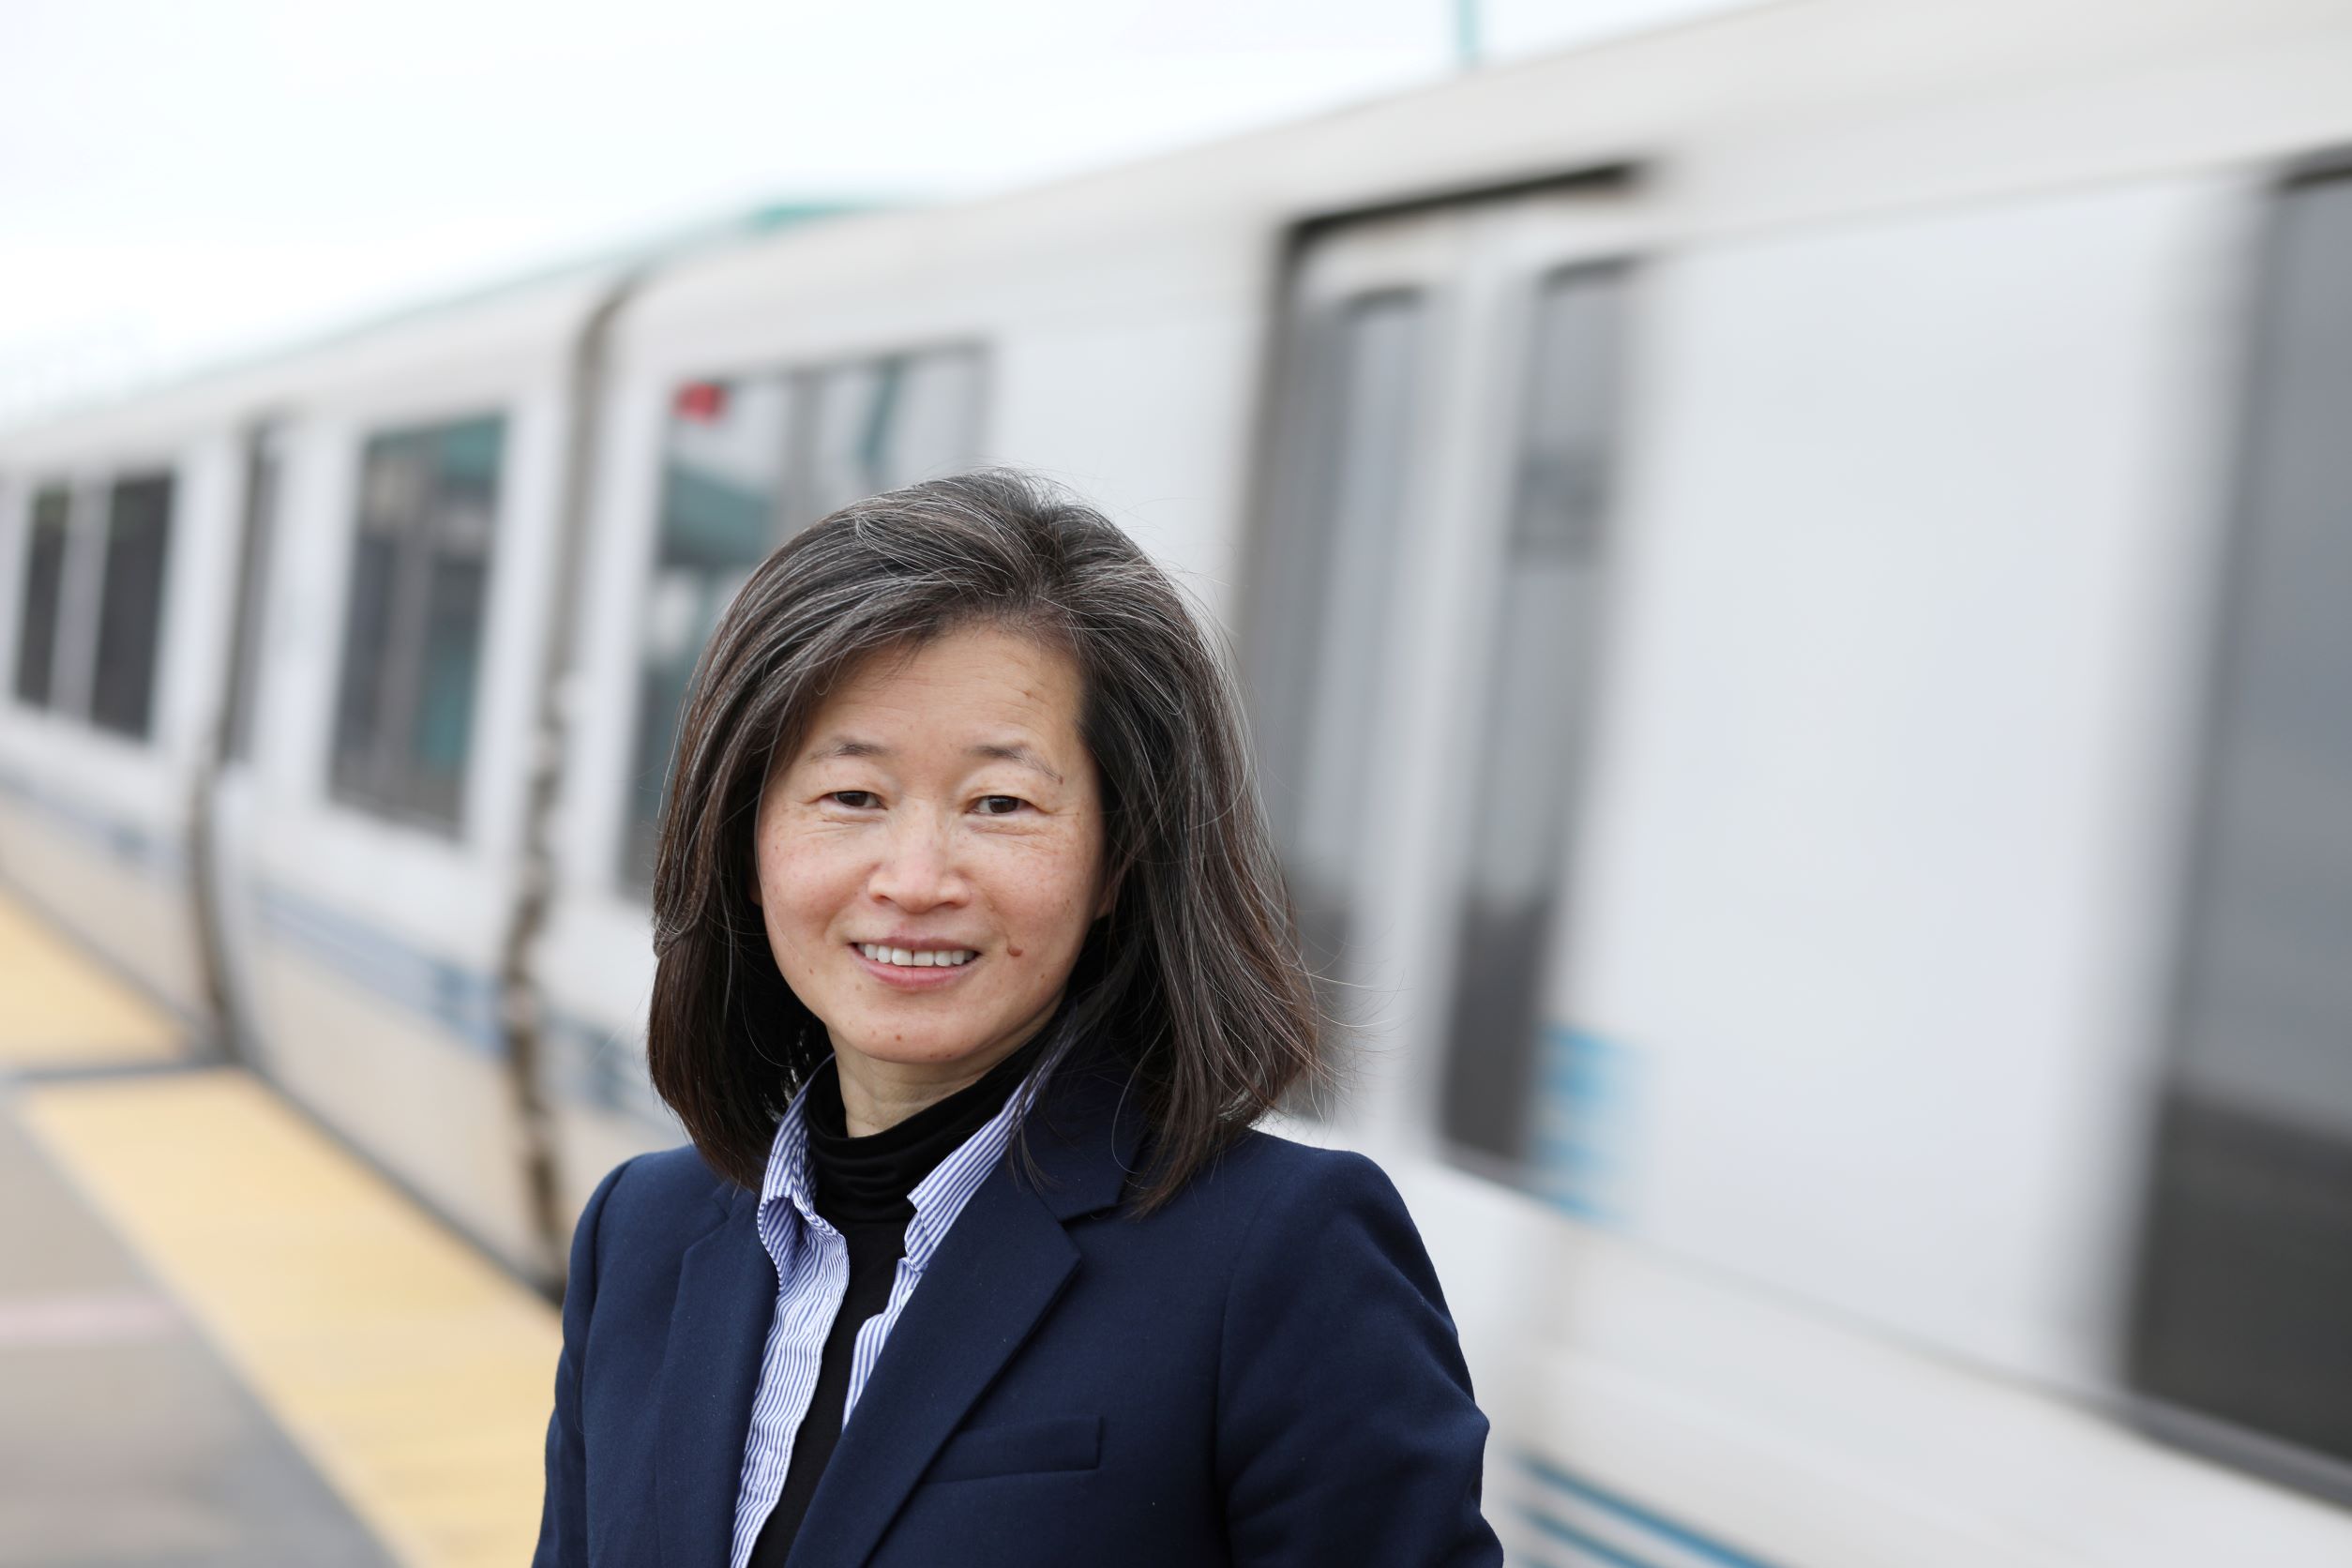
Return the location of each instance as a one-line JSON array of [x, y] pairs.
[[932, 859]]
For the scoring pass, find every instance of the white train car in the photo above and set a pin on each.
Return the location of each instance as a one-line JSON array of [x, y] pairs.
[[316, 836], [111, 607], [1789, 573]]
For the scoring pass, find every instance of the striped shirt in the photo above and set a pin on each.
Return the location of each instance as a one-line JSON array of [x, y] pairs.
[[812, 1271]]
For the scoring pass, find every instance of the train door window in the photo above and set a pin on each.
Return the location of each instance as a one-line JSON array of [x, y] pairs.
[[412, 650], [131, 604], [882, 423], [1537, 718], [252, 594], [1324, 602], [746, 462], [44, 592], [722, 485], [2245, 1271], [935, 417]]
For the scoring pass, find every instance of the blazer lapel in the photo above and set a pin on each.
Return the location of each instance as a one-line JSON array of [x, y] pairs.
[[710, 1370], [1000, 1268]]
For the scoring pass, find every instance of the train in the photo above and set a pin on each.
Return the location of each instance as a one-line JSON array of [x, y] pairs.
[[1789, 571]]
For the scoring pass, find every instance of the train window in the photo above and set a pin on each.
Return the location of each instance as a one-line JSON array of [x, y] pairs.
[[1328, 578], [2245, 1270], [412, 636], [722, 487], [44, 590], [1537, 719], [934, 417], [744, 463], [131, 604], [884, 423], [252, 595]]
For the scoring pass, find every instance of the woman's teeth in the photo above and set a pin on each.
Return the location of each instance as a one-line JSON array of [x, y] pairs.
[[909, 959]]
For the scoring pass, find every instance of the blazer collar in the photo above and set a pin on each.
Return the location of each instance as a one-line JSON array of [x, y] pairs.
[[1081, 1142], [1000, 1270], [718, 1330], [997, 1275]]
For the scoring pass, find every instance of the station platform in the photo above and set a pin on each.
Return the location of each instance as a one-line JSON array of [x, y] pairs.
[[223, 1338]]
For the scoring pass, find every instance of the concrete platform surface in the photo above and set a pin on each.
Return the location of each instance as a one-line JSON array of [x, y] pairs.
[[124, 1437], [224, 1339]]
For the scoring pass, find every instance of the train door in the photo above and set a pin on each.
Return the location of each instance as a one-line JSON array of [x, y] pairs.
[[1426, 621], [227, 911]]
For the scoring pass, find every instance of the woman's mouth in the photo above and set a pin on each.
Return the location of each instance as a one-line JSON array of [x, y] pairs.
[[917, 957], [919, 969]]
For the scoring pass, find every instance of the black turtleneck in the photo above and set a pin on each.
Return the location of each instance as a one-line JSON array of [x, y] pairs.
[[861, 1186]]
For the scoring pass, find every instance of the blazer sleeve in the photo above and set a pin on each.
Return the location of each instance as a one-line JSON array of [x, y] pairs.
[[564, 1514], [1346, 1434]]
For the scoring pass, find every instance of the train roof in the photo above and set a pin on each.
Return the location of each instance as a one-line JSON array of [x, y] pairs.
[[1734, 121], [531, 311]]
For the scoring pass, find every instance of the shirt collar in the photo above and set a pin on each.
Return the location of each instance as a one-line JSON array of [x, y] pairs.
[[787, 1177], [786, 1189]]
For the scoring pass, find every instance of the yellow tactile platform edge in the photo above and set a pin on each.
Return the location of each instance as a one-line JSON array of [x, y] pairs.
[[413, 1373], [61, 1010]]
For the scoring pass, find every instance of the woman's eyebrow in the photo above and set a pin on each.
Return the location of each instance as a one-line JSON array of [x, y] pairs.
[[845, 745], [1015, 752]]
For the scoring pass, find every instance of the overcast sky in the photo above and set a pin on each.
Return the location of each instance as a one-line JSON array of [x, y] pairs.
[[186, 180]]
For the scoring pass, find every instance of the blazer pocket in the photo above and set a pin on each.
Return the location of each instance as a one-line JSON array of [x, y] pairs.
[[1069, 1442]]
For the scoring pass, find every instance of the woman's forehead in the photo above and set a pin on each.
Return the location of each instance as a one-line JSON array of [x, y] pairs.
[[980, 693]]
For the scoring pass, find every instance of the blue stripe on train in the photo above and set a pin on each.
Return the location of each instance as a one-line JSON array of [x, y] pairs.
[[129, 842], [461, 1002], [1584, 1122], [592, 1064], [1680, 1535], [1591, 1545]]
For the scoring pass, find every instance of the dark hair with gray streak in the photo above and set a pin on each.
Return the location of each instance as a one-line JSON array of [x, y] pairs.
[[1194, 978]]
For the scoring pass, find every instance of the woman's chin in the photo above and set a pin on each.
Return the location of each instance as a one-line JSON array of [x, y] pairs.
[[906, 1048]]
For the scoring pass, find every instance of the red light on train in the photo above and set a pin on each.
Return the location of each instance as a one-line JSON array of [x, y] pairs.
[[703, 402]]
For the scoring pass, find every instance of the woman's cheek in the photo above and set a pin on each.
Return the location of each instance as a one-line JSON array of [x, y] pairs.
[[812, 880]]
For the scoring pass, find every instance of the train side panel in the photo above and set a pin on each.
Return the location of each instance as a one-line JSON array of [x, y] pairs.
[[97, 777]]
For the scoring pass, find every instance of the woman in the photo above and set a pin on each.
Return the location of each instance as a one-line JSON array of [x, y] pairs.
[[974, 969]]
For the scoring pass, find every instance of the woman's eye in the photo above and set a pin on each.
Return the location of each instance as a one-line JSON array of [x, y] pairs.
[[1000, 805], [856, 800]]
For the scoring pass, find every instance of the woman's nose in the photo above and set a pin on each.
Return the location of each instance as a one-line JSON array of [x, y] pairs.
[[917, 869]]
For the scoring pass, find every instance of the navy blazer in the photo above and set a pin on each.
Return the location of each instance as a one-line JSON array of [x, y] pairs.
[[1260, 1372]]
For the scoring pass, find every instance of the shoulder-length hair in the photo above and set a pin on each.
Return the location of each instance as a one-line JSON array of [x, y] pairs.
[[1194, 978]]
